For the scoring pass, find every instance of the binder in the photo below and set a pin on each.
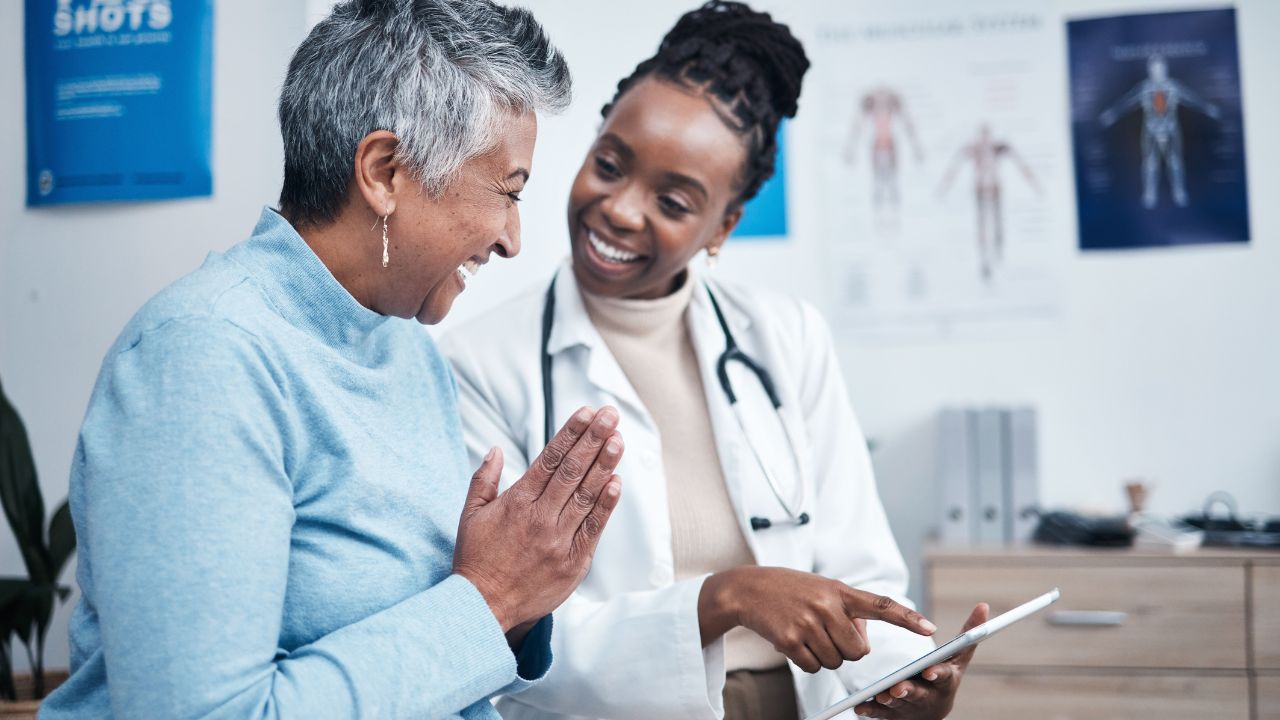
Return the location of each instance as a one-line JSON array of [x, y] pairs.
[[1023, 482], [955, 522], [988, 491]]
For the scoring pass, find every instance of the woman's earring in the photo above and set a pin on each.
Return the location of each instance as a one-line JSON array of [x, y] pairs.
[[386, 255], [712, 253]]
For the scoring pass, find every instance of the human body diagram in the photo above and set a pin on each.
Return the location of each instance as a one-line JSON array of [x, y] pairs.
[[879, 108], [985, 152], [1159, 97]]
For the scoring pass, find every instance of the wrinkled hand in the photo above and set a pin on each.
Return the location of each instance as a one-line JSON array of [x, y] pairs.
[[929, 695], [528, 548], [815, 621]]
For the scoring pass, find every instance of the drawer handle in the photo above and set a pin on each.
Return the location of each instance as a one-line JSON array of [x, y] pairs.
[[1088, 618]]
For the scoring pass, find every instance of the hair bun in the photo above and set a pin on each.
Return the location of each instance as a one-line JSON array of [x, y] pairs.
[[720, 31], [742, 57]]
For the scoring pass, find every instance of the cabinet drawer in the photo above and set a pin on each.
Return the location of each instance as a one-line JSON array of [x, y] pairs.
[[1113, 696], [1169, 616], [1266, 616], [1268, 697]]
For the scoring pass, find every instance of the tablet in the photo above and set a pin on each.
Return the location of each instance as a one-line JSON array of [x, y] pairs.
[[945, 652]]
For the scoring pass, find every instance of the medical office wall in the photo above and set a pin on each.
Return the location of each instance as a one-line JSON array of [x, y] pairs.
[[1160, 362], [1155, 363], [72, 275]]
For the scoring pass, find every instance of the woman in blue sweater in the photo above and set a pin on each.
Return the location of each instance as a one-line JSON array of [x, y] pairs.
[[270, 473]]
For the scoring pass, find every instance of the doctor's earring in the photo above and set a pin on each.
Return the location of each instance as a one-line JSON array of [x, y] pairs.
[[713, 254]]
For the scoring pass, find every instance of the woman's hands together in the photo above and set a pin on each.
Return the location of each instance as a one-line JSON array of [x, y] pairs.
[[528, 548], [931, 694], [815, 621]]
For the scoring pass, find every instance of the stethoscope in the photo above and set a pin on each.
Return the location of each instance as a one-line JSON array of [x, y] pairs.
[[794, 511]]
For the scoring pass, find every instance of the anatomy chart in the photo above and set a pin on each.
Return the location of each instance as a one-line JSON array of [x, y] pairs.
[[942, 149], [1158, 130]]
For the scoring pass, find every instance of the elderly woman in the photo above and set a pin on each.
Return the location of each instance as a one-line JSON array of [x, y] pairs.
[[271, 469]]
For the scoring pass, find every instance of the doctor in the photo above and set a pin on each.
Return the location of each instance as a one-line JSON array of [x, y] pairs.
[[752, 533]]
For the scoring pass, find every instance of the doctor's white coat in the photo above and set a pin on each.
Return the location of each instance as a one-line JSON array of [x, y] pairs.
[[627, 643]]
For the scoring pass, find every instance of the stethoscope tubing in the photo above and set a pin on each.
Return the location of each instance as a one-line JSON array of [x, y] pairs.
[[732, 352]]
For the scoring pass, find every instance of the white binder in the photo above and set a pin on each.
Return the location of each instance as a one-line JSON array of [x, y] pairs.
[[956, 522], [1023, 479], [989, 474]]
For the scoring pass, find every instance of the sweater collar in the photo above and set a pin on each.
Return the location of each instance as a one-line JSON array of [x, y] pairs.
[[571, 326], [301, 287], [639, 318]]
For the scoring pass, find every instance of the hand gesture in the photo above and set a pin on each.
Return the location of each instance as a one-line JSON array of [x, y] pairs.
[[528, 548], [929, 695], [815, 621]]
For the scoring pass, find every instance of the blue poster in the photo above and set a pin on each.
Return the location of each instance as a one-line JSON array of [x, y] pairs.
[[119, 99], [1158, 130], [765, 215]]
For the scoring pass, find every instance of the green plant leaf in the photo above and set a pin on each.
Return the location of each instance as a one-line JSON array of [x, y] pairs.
[[11, 588], [42, 599], [62, 539], [23, 616], [12, 596], [26, 605], [7, 690], [20, 492], [30, 614]]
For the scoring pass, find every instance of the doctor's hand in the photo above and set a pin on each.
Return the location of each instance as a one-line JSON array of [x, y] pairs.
[[526, 549], [929, 695], [815, 621]]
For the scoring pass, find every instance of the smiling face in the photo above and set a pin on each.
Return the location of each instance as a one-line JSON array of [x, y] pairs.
[[436, 242], [659, 184]]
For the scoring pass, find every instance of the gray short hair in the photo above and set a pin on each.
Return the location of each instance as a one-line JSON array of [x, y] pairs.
[[443, 75]]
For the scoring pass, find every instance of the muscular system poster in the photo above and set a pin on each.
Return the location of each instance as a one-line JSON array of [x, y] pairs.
[[941, 156]]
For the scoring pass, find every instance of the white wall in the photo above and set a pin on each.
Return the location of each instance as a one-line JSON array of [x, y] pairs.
[[1163, 362]]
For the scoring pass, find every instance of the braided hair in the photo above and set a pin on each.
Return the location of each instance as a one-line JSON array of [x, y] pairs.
[[750, 64]]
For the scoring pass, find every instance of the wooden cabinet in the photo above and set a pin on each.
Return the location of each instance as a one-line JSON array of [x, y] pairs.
[[1268, 697], [1074, 696], [1107, 616], [1266, 614], [1135, 635]]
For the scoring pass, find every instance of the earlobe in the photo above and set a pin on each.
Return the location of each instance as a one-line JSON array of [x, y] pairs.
[[727, 224], [376, 171]]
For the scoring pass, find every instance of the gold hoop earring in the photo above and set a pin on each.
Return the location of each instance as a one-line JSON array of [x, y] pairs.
[[386, 243]]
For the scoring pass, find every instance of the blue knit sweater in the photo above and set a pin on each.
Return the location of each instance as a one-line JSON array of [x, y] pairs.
[[266, 490]]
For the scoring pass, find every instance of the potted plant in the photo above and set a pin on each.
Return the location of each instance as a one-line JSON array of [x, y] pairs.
[[26, 604]]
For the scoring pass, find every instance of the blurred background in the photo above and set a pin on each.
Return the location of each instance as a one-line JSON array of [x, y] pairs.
[[1141, 337]]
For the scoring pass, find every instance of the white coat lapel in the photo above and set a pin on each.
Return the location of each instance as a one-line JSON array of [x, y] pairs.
[[586, 371], [572, 327], [708, 344]]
